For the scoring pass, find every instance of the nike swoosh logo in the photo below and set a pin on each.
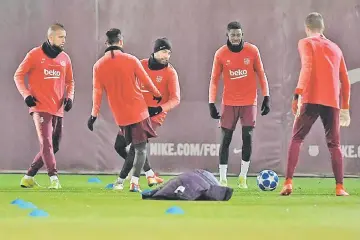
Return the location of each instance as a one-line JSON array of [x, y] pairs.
[[237, 151]]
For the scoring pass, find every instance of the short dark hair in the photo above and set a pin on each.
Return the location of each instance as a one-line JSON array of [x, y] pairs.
[[234, 25], [315, 22], [113, 36]]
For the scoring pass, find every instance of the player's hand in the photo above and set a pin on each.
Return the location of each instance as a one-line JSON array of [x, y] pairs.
[[265, 107], [90, 123], [213, 111], [345, 117], [68, 104], [158, 99], [154, 110], [30, 101]]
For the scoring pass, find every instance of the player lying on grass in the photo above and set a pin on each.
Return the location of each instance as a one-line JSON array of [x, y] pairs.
[[117, 73], [50, 91], [240, 63], [165, 78], [323, 78]]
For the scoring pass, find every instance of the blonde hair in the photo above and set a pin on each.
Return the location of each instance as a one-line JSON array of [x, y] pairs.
[[315, 22]]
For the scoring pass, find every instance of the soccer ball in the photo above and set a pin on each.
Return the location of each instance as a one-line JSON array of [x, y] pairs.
[[267, 180]]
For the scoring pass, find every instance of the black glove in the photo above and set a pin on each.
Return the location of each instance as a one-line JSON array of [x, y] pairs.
[[154, 110], [91, 123], [213, 111], [265, 108], [30, 101], [67, 104], [158, 99]]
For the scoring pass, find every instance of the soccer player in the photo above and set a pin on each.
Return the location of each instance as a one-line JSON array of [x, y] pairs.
[[165, 78], [323, 78], [239, 63], [50, 91], [119, 74]]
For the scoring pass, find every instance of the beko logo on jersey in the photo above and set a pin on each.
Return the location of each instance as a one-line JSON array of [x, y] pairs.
[[236, 74], [51, 74]]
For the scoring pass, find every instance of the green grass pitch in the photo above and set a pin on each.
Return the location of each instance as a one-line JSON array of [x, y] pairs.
[[83, 210]]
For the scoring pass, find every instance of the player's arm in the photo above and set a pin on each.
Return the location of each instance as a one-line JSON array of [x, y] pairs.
[[97, 92], [345, 85], [345, 95], [217, 69], [306, 56], [260, 72], [96, 96], [174, 93], [69, 87], [19, 77], [215, 77], [145, 79], [69, 81]]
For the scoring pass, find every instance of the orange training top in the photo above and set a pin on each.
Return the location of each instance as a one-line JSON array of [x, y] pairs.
[[48, 81], [323, 73], [239, 70], [166, 80], [120, 77]]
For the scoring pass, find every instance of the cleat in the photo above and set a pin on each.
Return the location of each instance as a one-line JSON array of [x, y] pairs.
[[242, 182], [340, 191], [155, 180], [55, 184], [118, 186], [134, 187], [28, 183], [287, 188]]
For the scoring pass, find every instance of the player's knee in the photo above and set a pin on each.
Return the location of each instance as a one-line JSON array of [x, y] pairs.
[[140, 149], [46, 145], [120, 146], [333, 144], [298, 137], [246, 154], [247, 134], [55, 148], [247, 143], [226, 137], [140, 152], [121, 151], [56, 144]]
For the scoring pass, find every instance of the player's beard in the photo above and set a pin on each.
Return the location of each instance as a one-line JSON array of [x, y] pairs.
[[60, 47], [163, 61], [156, 64], [235, 48]]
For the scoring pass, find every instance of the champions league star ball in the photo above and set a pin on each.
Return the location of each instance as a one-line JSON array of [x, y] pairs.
[[267, 180]]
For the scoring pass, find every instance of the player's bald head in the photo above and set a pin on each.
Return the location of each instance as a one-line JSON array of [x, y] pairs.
[[54, 28], [315, 22], [56, 35]]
